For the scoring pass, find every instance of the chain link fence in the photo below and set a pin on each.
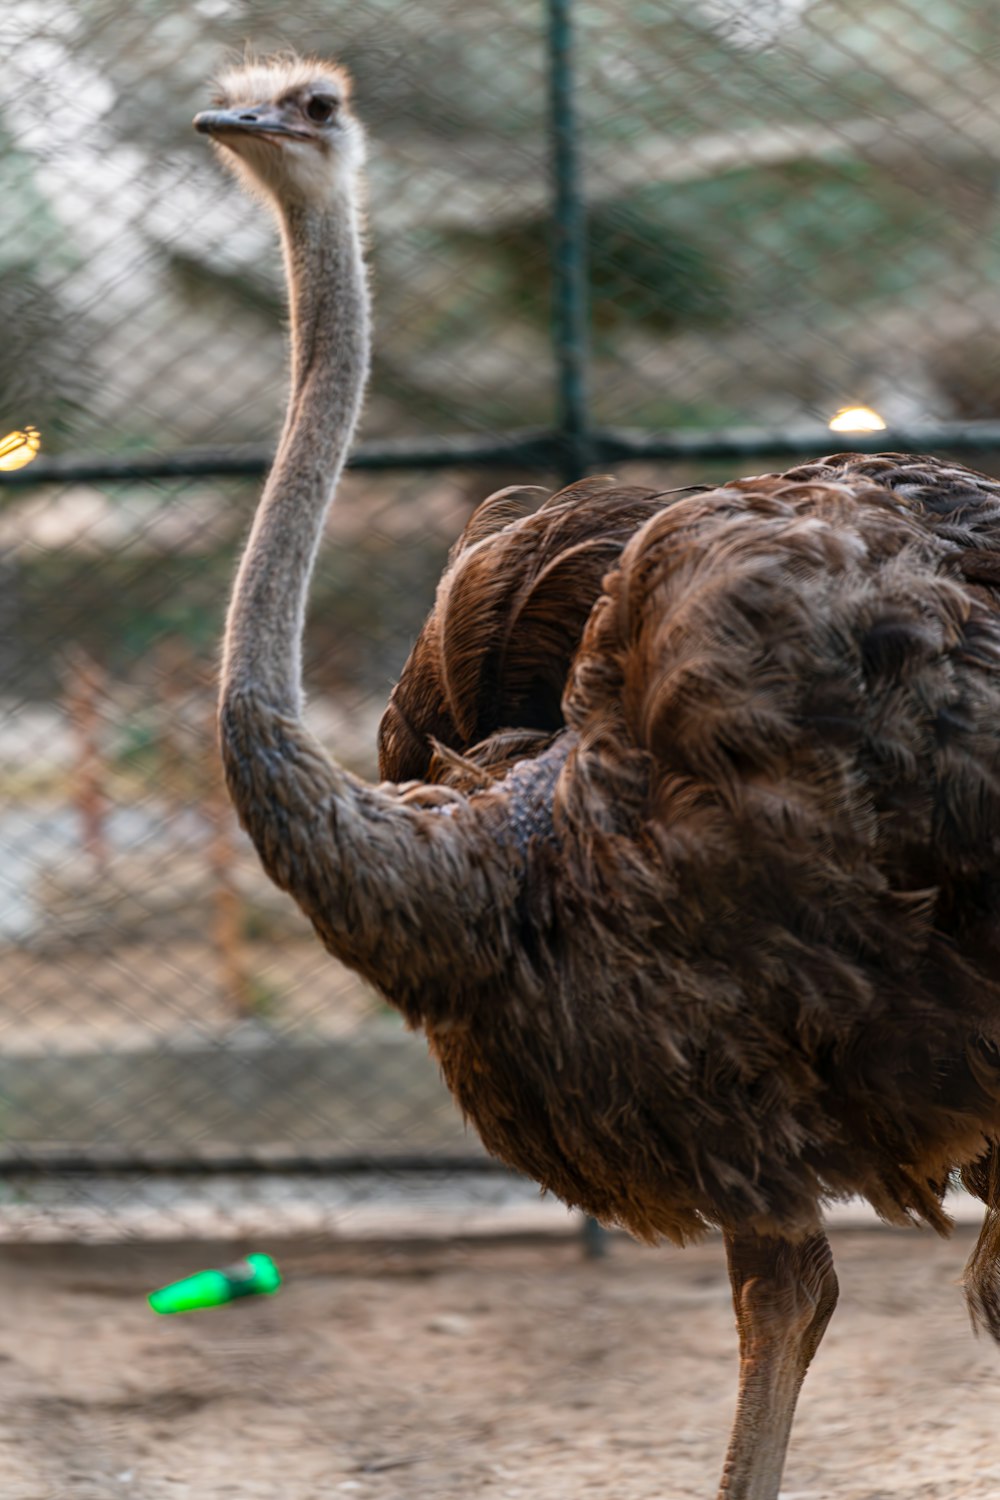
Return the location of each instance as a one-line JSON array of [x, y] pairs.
[[668, 238]]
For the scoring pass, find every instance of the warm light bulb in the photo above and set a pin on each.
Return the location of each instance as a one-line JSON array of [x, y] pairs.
[[856, 419], [19, 448]]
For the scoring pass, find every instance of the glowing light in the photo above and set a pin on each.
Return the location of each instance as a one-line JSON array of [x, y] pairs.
[[19, 448], [856, 419]]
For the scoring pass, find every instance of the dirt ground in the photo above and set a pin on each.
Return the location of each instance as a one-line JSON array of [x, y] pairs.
[[452, 1370]]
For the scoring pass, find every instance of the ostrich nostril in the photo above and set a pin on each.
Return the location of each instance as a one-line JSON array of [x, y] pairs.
[[250, 117]]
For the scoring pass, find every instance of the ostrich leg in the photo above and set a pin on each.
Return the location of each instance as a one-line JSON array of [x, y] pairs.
[[784, 1294]]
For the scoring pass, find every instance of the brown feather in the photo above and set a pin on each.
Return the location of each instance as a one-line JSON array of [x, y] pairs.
[[510, 610], [777, 790]]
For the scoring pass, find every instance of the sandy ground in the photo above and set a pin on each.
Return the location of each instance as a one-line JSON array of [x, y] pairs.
[[451, 1370]]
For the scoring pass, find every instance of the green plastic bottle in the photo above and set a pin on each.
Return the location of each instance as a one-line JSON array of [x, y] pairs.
[[256, 1276]]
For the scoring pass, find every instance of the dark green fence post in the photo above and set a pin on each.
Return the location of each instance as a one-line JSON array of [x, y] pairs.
[[569, 250], [569, 298]]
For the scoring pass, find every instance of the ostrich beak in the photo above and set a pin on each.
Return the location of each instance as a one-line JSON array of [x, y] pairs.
[[258, 119]]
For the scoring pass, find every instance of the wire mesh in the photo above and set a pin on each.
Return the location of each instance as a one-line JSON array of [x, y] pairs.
[[790, 208]]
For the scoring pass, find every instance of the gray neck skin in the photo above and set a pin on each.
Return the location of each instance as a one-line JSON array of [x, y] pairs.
[[330, 353], [406, 893]]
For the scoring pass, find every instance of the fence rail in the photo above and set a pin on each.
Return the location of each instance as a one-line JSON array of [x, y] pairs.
[[544, 451]]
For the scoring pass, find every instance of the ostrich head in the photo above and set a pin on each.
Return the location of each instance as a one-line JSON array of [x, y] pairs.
[[285, 127]]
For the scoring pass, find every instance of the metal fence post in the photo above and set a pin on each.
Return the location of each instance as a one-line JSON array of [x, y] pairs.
[[569, 249], [569, 301]]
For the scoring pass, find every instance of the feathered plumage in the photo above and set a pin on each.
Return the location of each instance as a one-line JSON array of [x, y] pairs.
[[773, 709], [487, 673]]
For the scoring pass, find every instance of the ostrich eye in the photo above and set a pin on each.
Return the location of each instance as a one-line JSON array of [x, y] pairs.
[[320, 108]]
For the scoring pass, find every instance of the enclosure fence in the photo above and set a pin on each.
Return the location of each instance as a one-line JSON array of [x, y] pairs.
[[668, 238]]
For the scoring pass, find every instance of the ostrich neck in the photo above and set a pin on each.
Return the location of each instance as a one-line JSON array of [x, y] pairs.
[[330, 350], [400, 889]]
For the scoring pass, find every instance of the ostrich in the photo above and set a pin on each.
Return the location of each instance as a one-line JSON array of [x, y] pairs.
[[687, 860]]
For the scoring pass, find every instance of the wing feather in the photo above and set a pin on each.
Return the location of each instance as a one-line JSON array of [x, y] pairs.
[[489, 667]]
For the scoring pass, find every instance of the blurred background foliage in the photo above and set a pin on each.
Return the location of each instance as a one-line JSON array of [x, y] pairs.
[[791, 207], [760, 177]]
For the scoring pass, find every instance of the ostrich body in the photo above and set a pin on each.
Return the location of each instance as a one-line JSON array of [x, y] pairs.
[[688, 856]]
